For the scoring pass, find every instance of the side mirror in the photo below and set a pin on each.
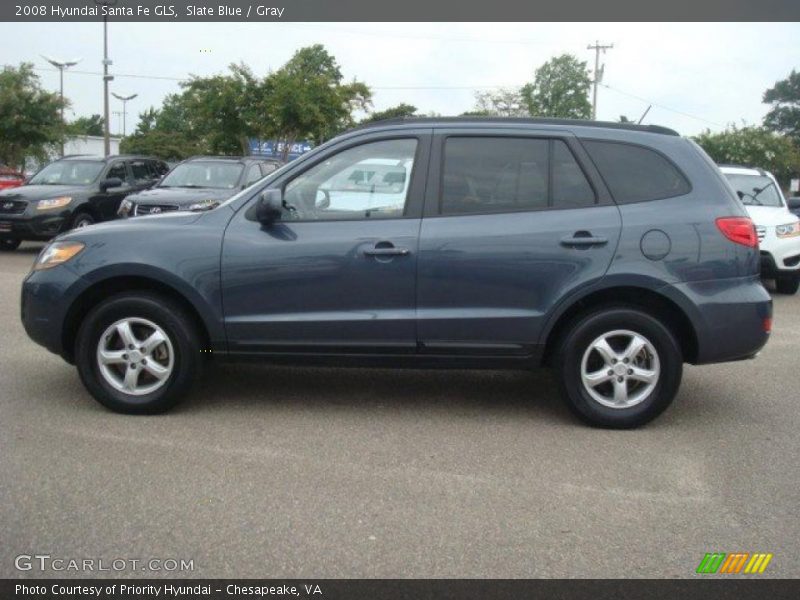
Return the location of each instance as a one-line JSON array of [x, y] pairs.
[[111, 182], [270, 206], [794, 203]]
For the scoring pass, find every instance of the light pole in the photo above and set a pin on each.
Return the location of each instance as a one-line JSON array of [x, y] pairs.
[[61, 65], [106, 78], [124, 108]]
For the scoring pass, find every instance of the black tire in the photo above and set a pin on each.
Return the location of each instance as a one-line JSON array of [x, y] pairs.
[[81, 219], [175, 323], [575, 343], [9, 245], [787, 284]]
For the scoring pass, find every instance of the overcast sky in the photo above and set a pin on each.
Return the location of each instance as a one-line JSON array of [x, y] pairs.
[[697, 76]]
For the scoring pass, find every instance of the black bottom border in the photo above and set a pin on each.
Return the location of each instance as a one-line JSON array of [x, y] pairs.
[[735, 587]]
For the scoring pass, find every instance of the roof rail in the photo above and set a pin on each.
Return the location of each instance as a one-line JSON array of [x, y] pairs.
[[217, 156], [521, 121]]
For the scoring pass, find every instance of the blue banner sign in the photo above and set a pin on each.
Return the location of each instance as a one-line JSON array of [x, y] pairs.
[[274, 148]]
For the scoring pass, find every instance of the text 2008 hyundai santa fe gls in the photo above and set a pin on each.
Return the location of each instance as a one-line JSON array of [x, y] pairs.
[[614, 253]]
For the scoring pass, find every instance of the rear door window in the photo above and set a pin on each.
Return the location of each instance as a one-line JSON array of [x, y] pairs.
[[508, 174]]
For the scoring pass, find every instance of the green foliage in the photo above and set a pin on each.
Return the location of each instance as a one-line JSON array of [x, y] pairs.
[[304, 99], [30, 119], [753, 146], [560, 89], [393, 112], [500, 103], [86, 126], [784, 116], [162, 144], [307, 99]]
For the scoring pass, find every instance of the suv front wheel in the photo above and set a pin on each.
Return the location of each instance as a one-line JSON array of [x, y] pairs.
[[138, 353], [619, 367]]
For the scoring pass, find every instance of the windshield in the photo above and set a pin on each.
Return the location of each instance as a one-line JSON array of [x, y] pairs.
[[207, 174], [68, 172], [248, 190], [755, 190]]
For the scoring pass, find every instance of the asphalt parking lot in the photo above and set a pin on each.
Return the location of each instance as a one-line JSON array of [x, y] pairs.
[[300, 472]]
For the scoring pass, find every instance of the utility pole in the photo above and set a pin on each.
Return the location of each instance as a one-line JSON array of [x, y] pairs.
[[598, 71], [61, 65], [124, 100], [106, 78]]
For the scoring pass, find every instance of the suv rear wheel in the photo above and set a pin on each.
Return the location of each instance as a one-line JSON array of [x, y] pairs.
[[787, 284], [619, 367], [138, 353]]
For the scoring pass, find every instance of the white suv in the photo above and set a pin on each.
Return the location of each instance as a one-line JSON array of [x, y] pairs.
[[778, 229]]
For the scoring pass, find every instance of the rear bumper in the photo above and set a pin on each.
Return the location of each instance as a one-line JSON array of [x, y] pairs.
[[730, 317]]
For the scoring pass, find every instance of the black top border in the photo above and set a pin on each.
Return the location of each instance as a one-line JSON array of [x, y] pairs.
[[406, 11]]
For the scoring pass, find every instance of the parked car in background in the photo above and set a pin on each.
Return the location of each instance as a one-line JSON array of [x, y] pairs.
[[10, 178], [778, 229], [794, 205], [612, 252], [198, 183], [70, 193]]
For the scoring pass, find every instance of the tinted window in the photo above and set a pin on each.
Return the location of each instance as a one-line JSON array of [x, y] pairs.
[[570, 187], [634, 173], [367, 181], [511, 174], [142, 172], [118, 170]]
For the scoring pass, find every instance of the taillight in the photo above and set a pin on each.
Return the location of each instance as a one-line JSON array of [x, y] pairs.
[[767, 325], [739, 230]]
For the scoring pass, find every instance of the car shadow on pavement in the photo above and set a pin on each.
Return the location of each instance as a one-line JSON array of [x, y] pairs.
[[226, 384]]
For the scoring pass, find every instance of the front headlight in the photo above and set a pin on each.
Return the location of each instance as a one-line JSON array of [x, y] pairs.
[[788, 230], [52, 203], [57, 253], [125, 208], [204, 205]]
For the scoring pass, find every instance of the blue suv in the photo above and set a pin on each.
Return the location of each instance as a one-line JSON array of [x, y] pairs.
[[613, 253]]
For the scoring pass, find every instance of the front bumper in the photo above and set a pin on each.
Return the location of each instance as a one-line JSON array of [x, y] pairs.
[[45, 299], [778, 255], [35, 227]]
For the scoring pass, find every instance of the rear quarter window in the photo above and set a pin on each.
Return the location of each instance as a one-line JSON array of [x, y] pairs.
[[635, 173]]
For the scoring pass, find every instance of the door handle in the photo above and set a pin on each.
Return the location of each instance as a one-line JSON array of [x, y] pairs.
[[391, 251], [583, 238]]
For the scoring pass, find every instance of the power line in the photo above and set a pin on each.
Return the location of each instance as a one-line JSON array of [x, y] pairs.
[[409, 87], [661, 106]]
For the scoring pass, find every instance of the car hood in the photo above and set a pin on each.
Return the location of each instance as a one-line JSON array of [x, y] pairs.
[[39, 192], [132, 226], [180, 196], [767, 216]]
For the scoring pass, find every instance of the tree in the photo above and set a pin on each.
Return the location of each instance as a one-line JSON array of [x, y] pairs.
[[784, 97], [755, 146], [307, 99], [30, 117], [501, 103], [163, 144], [560, 89], [393, 112], [86, 126]]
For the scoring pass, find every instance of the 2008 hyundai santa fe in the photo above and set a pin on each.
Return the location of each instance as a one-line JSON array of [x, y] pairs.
[[614, 253]]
